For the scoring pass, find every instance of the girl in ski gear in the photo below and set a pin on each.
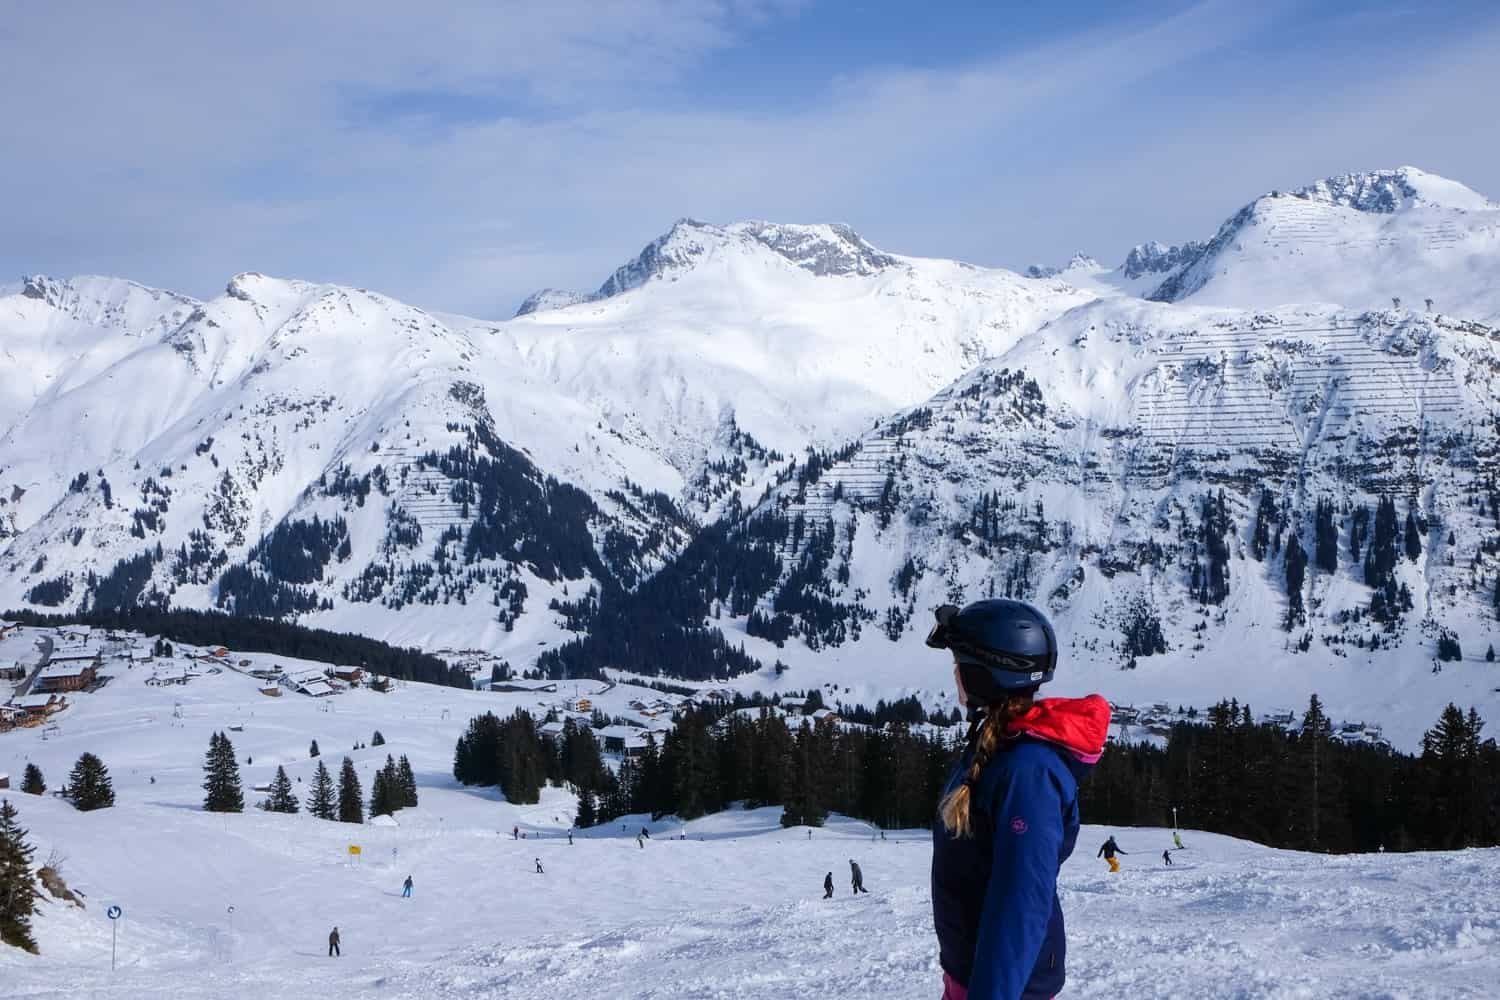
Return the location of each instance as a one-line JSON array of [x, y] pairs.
[[1009, 814], [828, 886]]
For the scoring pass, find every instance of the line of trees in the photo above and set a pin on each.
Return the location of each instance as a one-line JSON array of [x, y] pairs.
[[1304, 789], [259, 635]]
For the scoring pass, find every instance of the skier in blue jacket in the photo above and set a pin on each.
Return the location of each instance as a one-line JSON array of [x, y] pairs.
[[1009, 814]]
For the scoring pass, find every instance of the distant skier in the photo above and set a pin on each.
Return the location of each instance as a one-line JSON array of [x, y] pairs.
[[570, 838], [857, 878], [539, 867], [1107, 851], [639, 842], [406, 888], [333, 944], [515, 833], [645, 833], [828, 886], [1166, 857], [809, 833], [1177, 841]]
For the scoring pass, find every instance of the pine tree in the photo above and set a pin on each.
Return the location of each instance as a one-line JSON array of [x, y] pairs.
[[586, 816], [351, 806], [1413, 538], [32, 783], [377, 740], [407, 783], [380, 795], [281, 799], [18, 891], [1316, 730], [221, 777], [1296, 571], [89, 786], [1326, 538], [321, 801], [313, 750]]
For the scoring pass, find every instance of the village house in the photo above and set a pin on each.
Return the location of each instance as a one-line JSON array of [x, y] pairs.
[[76, 652], [72, 676], [39, 706], [349, 675], [4, 780], [10, 717], [12, 671], [626, 740]]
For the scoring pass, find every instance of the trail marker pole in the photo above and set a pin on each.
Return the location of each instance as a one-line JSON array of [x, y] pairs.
[[113, 913], [230, 956]]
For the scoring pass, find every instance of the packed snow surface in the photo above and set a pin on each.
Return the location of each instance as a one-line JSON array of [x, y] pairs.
[[734, 910]]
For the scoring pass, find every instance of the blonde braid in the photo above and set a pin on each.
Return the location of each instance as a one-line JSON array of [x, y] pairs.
[[955, 807]]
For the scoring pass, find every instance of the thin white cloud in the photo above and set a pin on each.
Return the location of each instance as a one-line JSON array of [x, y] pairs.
[[212, 138]]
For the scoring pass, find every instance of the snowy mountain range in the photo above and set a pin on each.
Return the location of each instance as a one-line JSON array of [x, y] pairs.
[[759, 443]]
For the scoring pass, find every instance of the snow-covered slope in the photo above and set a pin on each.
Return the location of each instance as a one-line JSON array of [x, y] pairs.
[[1358, 241], [1074, 470], [733, 910], [177, 440], [803, 334]]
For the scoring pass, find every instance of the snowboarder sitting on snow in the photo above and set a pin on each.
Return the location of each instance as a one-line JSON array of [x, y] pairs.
[[333, 943], [1107, 851], [1167, 857], [1009, 816], [406, 888], [857, 878], [828, 886]]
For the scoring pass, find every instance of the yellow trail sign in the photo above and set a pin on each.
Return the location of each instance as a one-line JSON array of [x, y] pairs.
[[353, 848]]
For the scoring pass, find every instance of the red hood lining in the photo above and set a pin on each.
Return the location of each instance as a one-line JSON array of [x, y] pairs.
[[1076, 724]]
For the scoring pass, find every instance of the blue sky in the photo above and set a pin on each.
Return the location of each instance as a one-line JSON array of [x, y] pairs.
[[462, 158]]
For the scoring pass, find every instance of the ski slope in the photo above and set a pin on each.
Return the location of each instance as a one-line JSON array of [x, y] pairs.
[[735, 910]]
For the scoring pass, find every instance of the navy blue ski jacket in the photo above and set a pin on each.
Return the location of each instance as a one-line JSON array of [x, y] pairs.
[[994, 896]]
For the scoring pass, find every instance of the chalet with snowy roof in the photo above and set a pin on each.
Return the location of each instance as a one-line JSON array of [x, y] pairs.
[[76, 652], [4, 780], [12, 671], [349, 675], [38, 706], [551, 730], [626, 740], [11, 716], [71, 676]]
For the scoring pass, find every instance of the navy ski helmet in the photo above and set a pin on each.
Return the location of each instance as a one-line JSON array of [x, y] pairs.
[[1000, 646]]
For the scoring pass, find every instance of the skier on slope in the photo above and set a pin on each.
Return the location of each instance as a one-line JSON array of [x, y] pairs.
[[333, 944], [406, 888], [1108, 850], [857, 878], [1166, 857], [645, 833], [539, 867], [1177, 841], [828, 886], [1009, 814]]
